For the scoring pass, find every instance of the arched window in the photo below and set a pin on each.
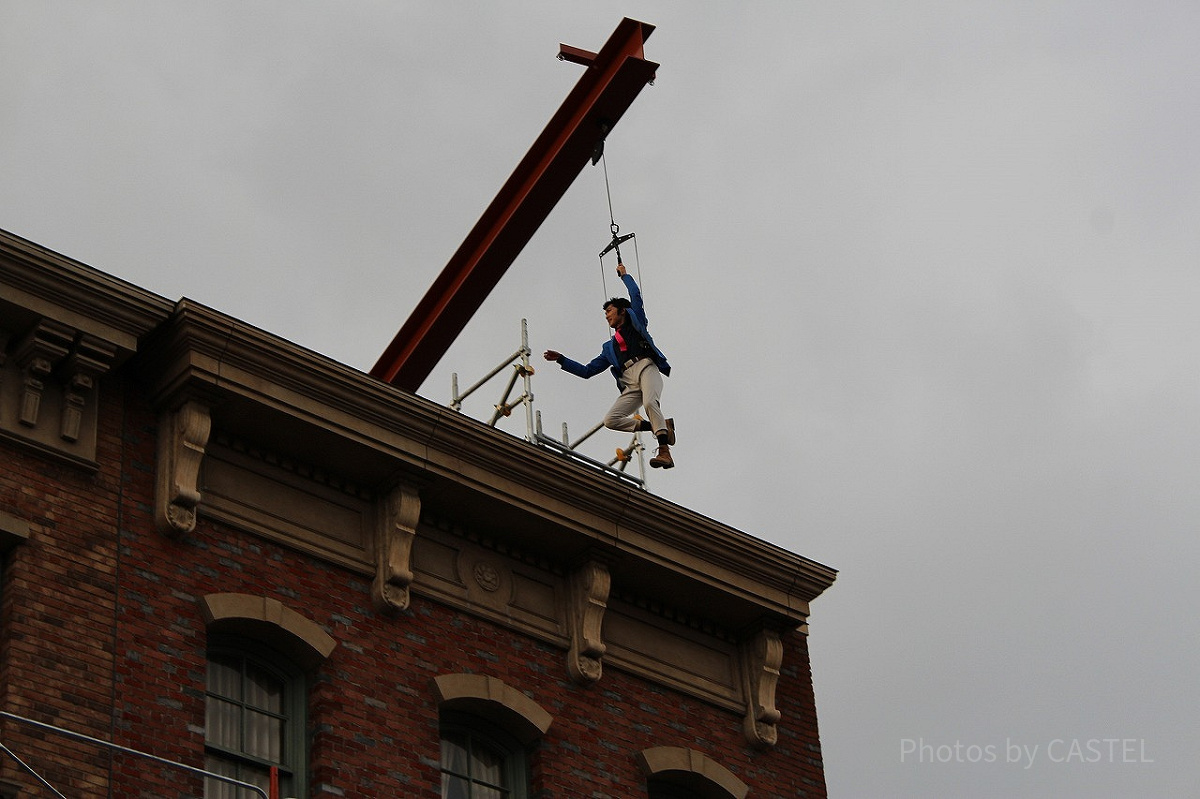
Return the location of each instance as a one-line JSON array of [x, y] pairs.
[[256, 692], [487, 728], [480, 761], [254, 719]]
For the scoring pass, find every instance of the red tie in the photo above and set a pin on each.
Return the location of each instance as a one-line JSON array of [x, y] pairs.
[[620, 341]]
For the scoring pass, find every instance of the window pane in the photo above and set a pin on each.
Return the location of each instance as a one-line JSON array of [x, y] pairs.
[[264, 736], [488, 793], [455, 788], [255, 776], [219, 789], [221, 723], [263, 690], [476, 765], [225, 677], [454, 754], [487, 764]]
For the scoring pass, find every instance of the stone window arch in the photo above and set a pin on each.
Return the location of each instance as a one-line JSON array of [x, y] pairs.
[[270, 621], [672, 771], [493, 700]]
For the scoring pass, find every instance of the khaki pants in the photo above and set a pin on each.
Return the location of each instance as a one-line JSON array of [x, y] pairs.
[[642, 386]]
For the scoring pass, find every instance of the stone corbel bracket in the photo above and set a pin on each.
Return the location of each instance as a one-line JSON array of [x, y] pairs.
[[587, 589], [37, 355], [182, 437], [49, 375], [89, 360], [399, 512], [762, 657]]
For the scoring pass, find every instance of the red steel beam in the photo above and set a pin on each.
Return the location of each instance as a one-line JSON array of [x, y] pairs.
[[613, 78]]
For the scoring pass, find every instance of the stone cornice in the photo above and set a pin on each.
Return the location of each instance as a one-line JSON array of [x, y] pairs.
[[45, 283], [793, 579], [227, 364], [299, 403]]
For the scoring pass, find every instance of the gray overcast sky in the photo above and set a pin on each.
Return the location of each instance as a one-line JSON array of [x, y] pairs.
[[926, 272]]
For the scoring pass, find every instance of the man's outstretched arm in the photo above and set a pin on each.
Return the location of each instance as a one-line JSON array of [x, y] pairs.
[[590, 369], [635, 294]]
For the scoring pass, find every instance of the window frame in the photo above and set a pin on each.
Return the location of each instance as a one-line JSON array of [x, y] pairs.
[[516, 766], [293, 755]]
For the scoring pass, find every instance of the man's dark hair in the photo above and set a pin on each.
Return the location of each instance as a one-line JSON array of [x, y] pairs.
[[620, 303]]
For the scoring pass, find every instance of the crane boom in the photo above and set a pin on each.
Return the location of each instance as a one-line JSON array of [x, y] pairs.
[[614, 77]]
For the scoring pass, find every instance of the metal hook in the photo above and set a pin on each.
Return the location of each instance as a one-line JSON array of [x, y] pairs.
[[615, 244]]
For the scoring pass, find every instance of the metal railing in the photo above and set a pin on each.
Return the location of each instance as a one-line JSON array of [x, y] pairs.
[[615, 467], [78, 736]]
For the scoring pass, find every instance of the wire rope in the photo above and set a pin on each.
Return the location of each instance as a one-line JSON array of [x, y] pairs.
[[615, 229]]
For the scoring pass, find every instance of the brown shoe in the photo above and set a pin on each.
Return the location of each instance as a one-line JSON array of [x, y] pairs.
[[671, 432], [663, 459]]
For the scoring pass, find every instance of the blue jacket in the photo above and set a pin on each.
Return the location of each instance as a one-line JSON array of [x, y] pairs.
[[608, 357]]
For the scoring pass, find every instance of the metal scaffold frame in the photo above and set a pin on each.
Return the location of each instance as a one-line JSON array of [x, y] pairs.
[[615, 467], [523, 370]]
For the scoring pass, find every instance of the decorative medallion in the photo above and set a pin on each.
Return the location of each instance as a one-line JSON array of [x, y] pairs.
[[487, 576]]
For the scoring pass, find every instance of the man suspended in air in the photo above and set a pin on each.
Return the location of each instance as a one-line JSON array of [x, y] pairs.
[[638, 365]]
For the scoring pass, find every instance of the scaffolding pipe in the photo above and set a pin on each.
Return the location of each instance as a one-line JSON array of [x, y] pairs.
[[558, 446], [521, 369], [527, 373], [504, 407], [626, 455], [89, 739], [564, 447], [595, 429], [457, 399]]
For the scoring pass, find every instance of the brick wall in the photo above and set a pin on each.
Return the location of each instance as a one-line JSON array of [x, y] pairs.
[[57, 612], [102, 633]]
